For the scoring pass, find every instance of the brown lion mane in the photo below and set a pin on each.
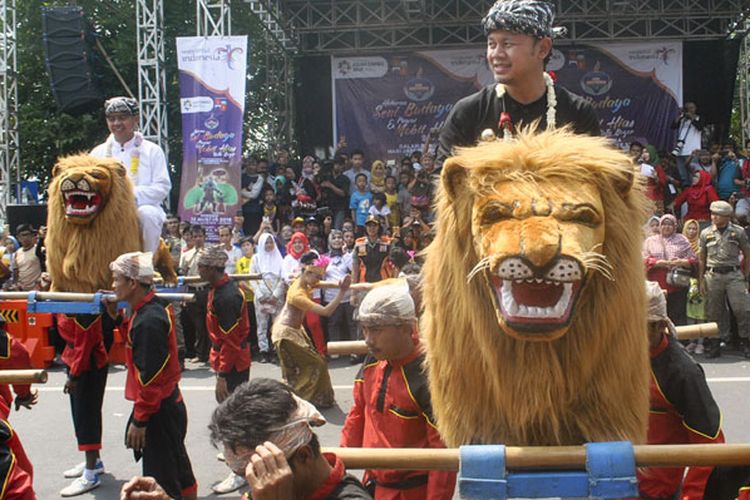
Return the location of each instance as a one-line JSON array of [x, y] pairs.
[[78, 255], [589, 385]]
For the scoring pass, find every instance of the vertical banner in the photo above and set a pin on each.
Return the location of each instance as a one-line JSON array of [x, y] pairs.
[[386, 104], [212, 101]]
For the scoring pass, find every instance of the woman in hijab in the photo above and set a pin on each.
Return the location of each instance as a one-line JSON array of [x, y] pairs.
[[651, 227], [664, 252], [268, 291], [698, 198], [377, 177], [696, 306], [298, 246]]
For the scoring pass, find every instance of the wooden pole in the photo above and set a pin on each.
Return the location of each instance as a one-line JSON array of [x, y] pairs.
[[236, 277], [348, 347], [698, 331], [86, 297], [23, 376], [683, 333], [353, 286], [543, 457]]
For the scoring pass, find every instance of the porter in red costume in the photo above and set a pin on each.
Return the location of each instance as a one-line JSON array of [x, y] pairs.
[[683, 411], [391, 399], [157, 427], [14, 356], [228, 328]]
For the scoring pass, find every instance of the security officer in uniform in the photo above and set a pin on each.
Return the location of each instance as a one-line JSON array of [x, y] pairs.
[[721, 277], [369, 260]]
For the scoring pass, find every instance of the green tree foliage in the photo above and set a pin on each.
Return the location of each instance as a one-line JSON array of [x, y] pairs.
[[46, 133]]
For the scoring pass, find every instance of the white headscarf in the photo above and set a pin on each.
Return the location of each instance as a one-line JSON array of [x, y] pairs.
[[269, 262]]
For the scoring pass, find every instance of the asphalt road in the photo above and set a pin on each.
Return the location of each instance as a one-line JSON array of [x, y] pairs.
[[47, 430]]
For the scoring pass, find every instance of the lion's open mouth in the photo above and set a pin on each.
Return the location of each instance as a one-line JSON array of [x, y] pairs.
[[536, 302], [81, 203]]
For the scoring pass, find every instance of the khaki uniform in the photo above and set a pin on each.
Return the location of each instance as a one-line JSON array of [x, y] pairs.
[[724, 278]]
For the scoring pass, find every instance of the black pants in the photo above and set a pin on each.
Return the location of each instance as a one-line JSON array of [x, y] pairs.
[[677, 306], [236, 379], [188, 332], [253, 336], [86, 407], [165, 457], [197, 311], [341, 325]]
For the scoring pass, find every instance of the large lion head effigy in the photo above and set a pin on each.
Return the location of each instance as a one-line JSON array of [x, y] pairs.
[[92, 219], [534, 298]]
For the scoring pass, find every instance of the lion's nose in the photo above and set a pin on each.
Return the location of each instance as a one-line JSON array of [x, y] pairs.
[[540, 241], [83, 185]]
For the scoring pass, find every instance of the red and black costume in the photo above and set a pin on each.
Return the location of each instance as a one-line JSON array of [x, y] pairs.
[[16, 472], [152, 384], [683, 411], [228, 327], [86, 358], [392, 409], [13, 356], [339, 484]]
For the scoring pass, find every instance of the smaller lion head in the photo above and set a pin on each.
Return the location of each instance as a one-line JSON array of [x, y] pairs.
[[84, 184]]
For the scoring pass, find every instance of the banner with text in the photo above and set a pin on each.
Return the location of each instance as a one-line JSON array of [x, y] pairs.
[[387, 104], [212, 102]]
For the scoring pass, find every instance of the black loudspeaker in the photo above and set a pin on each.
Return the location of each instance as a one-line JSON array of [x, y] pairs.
[[36, 215], [70, 60]]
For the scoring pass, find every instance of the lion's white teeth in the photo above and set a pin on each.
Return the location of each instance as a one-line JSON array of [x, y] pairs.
[[520, 311]]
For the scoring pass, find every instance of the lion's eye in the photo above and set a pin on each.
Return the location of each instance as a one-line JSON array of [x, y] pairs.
[[97, 175], [581, 214], [496, 213]]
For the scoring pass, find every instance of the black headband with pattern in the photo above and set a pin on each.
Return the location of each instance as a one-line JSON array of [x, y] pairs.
[[530, 17], [121, 105]]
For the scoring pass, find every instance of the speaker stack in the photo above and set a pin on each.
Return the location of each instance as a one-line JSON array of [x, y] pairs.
[[70, 59]]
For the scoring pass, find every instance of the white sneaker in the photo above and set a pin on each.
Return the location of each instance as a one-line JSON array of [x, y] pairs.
[[80, 486], [233, 482], [691, 347], [699, 349], [77, 471], [220, 457]]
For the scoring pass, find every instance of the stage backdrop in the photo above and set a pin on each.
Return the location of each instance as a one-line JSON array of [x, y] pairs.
[[387, 104], [212, 101]]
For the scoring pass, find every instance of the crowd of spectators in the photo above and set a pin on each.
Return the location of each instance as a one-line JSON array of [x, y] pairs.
[[682, 185]]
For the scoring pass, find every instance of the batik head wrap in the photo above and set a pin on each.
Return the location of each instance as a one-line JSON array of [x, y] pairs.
[[530, 17], [213, 256], [387, 305], [138, 266], [657, 306], [125, 105]]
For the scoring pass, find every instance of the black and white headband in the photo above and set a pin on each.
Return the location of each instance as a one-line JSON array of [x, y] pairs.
[[121, 105], [530, 17]]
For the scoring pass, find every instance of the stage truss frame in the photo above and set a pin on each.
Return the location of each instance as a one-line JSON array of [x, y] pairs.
[[10, 170]]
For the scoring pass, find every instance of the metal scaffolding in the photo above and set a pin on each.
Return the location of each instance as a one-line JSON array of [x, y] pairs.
[[152, 94], [213, 18], [347, 26], [9, 159]]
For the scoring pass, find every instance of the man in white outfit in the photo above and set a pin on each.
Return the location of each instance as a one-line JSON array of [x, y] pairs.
[[145, 163]]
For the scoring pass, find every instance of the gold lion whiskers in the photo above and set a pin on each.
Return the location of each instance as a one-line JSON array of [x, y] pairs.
[[597, 262]]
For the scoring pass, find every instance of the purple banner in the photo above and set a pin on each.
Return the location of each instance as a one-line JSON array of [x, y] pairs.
[[212, 89], [387, 104]]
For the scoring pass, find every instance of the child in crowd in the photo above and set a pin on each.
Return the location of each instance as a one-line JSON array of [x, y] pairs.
[[380, 209], [243, 267], [270, 211], [360, 202], [391, 200]]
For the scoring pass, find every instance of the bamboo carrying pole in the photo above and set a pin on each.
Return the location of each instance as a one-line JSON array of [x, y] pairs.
[[236, 277], [683, 333], [86, 297], [543, 457], [698, 331], [353, 286], [23, 376]]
